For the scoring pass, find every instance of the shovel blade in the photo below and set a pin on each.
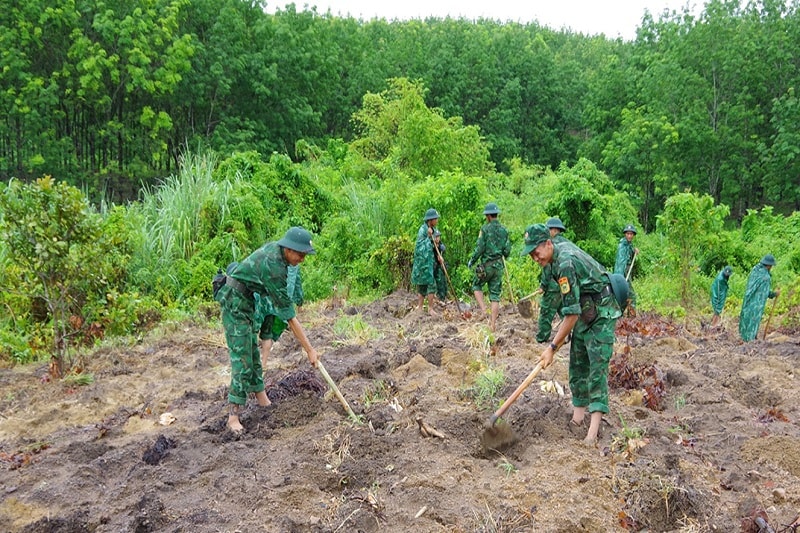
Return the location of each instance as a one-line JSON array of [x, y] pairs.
[[525, 308], [497, 436]]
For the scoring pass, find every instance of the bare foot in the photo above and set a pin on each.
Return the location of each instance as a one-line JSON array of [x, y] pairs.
[[234, 425], [263, 399], [591, 442]]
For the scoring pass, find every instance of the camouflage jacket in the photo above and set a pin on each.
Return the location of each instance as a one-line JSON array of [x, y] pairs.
[[578, 273], [265, 272], [493, 243], [624, 257], [546, 282]]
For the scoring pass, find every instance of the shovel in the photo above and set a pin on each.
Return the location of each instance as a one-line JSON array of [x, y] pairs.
[[525, 305], [465, 314], [336, 391], [495, 435]]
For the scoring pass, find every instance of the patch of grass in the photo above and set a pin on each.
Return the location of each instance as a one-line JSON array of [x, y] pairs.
[[680, 402], [628, 441], [376, 393], [487, 386], [354, 329], [507, 466], [78, 380]]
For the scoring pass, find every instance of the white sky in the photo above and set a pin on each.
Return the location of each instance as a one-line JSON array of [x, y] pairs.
[[614, 18]]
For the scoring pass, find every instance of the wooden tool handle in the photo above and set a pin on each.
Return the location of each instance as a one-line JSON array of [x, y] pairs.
[[516, 394], [336, 391]]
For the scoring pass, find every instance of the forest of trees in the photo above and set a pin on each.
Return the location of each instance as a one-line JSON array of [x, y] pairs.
[[107, 95], [146, 143]]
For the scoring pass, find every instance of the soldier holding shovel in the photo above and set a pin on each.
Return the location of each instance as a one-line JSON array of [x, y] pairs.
[[590, 309]]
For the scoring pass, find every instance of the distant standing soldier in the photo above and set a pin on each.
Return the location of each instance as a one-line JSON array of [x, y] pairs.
[[265, 272], [551, 295], [755, 298], [590, 310], [438, 269], [622, 265], [424, 259], [719, 293], [492, 247]]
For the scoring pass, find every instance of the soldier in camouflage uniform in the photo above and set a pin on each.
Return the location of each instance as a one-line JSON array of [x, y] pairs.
[[590, 312], [551, 295], [265, 272], [492, 248], [439, 269], [719, 293], [625, 254], [271, 326], [424, 259], [755, 298]]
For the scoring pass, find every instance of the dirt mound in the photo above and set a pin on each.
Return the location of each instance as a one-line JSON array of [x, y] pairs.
[[144, 447]]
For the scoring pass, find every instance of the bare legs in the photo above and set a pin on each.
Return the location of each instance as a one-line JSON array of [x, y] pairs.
[[595, 418], [495, 309], [432, 303]]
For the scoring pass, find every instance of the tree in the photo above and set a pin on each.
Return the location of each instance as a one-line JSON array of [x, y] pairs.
[[54, 236], [688, 221]]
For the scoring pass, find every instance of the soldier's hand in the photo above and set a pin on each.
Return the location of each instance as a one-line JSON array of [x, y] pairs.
[[430, 231], [547, 356], [635, 251], [313, 357]]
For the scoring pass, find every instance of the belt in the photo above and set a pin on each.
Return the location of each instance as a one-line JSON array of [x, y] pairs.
[[239, 286]]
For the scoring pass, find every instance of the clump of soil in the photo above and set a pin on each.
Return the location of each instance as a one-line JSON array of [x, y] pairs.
[[144, 447]]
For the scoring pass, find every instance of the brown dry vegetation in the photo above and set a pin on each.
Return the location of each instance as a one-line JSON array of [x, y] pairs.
[[719, 451]]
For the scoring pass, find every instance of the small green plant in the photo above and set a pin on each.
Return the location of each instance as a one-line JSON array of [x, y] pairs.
[[507, 466], [353, 329], [680, 402], [376, 393], [78, 380], [487, 386]]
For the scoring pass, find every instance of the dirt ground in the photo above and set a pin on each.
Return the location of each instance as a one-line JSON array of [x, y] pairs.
[[144, 447]]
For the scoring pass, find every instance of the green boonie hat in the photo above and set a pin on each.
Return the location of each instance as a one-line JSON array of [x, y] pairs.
[[629, 227], [727, 271], [535, 235], [430, 214], [491, 209], [436, 233], [555, 223], [299, 240], [768, 260]]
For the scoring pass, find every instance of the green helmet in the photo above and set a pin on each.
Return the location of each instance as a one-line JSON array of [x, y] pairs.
[[297, 239], [430, 214], [620, 288], [631, 228], [535, 235], [491, 209], [768, 260], [727, 271], [555, 223]]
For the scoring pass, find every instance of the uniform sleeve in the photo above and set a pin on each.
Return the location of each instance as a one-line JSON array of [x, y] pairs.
[[569, 288], [274, 281]]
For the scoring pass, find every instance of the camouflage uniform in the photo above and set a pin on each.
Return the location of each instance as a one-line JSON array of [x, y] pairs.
[[755, 299], [551, 298], [493, 245], [264, 272], [422, 270], [622, 263], [271, 326], [719, 290], [584, 284]]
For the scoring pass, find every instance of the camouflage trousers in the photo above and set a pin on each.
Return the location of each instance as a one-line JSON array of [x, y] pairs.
[[493, 278], [589, 355], [547, 311], [242, 340]]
